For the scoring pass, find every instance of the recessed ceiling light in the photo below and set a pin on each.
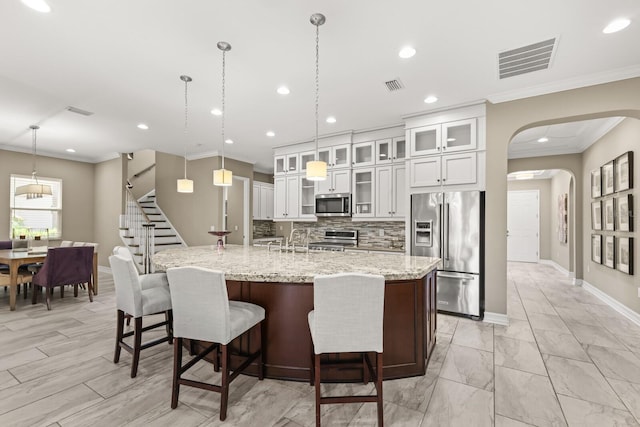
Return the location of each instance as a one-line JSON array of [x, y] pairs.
[[543, 139], [451, 139], [70, 150], [216, 112], [331, 119], [271, 134], [143, 126], [406, 52], [228, 141], [283, 90], [38, 5], [616, 25], [430, 99]]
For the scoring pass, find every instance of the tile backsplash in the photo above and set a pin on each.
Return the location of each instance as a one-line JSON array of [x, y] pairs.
[[368, 232], [263, 229]]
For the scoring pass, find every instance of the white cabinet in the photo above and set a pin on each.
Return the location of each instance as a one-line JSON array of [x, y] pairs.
[[285, 164], [363, 192], [443, 138], [307, 156], [307, 198], [391, 150], [262, 201], [363, 154], [390, 187], [338, 181], [452, 169], [338, 156], [286, 197]]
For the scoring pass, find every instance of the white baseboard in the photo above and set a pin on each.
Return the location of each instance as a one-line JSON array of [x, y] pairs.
[[556, 266], [612, 302], [496, 318]]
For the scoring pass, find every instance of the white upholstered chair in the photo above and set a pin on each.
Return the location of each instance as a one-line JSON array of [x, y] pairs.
[[202, 311], [137, 301], [347, 317]]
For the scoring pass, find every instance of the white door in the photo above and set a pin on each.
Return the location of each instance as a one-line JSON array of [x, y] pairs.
[[523, 226]]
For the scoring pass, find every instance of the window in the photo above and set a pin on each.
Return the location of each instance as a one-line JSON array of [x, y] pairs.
[[36, 213]]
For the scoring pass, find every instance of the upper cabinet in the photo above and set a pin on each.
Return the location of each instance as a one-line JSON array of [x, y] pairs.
[[443, 138], [338, 181], [285, 164], [391, 150], [307, 156], [337, 156], [363, 154], [262, 201]]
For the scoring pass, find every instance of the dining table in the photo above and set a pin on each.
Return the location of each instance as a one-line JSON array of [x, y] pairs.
[[14, 259]]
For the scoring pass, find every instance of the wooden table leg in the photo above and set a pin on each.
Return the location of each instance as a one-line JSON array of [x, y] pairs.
[[13, 279], [95, 274]]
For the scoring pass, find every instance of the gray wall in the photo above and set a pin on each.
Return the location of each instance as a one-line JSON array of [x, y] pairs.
[[624, 288], [108, 187], [544, 188]]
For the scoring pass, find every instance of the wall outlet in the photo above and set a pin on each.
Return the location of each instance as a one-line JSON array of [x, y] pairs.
[[280, 228], [588, 269], [235, 228], [638, 292], [381, 232]]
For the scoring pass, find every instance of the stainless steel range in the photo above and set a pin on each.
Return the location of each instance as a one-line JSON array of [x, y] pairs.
[[336, 240]]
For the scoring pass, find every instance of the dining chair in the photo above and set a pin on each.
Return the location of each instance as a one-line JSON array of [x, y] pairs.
[[202, 311], [64, 266], [133, 299], [66, 243], [347, 317]]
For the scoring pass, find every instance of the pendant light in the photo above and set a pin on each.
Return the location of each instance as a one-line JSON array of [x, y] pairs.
[[317, 169], [185, 185], [34, 190], [223, 177]]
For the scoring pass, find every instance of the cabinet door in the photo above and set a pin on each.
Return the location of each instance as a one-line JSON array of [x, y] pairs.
[[324, 187], [459, 169], [363, 192], [292, 163], [399, 148], [341, 181], [279, 165], [307, 198], [399, 191], [256, 201], [384, 151], [384, 182], [363, 154], [459, 136], [293, 197], [266, 202], [341, 156], [425, 140], [280, 198], [305, 157], [324, 154], [424, 171]]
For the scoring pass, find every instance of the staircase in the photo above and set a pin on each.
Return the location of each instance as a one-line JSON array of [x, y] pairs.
[[145, 230]]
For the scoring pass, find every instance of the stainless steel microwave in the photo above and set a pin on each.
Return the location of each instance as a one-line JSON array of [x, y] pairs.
[[333, 204]]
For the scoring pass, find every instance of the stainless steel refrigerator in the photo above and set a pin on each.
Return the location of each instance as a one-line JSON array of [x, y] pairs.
[[450, 226]]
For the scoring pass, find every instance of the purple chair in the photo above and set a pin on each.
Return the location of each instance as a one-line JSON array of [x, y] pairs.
[[65, 266]]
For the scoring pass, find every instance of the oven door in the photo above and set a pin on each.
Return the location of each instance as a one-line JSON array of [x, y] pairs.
[[333, 205]]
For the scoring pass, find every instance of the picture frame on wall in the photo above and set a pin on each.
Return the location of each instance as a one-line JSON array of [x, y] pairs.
[[608, 215], [624, 213], [607, 179], [596, 215], [563, 207], [596, 248], [624, 254], [609, 251], [596, 183], [624, 172]]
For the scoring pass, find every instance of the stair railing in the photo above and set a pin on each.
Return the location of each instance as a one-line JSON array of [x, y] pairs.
[[141, 228]]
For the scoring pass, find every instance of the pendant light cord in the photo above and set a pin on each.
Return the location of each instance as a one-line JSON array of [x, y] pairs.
[[186, 125], [223, 104], [317, 84], [34, 175]]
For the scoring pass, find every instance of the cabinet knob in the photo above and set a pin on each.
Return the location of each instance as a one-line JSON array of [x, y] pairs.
[[438, 148], [444, 179], [444, 148], [438, 180]]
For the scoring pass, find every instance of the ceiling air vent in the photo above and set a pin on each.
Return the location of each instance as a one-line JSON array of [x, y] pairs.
[[79, 111], [393, 85], [526, 59]]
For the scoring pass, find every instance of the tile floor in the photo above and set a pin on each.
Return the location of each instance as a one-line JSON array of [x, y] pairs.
[[565, 359]]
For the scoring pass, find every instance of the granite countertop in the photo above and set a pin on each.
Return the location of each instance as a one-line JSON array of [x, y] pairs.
[[376, 248], [257, 264]]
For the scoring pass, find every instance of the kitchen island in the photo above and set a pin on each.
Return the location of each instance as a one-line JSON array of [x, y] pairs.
[[282, 283]]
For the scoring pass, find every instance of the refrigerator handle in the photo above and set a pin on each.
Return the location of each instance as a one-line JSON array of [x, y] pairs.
[[440, 214], [446, 233]]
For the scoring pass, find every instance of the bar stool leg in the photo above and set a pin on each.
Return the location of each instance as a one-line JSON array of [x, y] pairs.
[[137, 343], [316, 362], [260, 360], [119, 334], [177, 366], [224, 392], [379, 389]]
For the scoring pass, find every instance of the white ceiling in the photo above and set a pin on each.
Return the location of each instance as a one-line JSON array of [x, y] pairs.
[[122, 59]]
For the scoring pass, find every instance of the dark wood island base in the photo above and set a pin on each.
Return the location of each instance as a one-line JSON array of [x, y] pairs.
[[409, 328]]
